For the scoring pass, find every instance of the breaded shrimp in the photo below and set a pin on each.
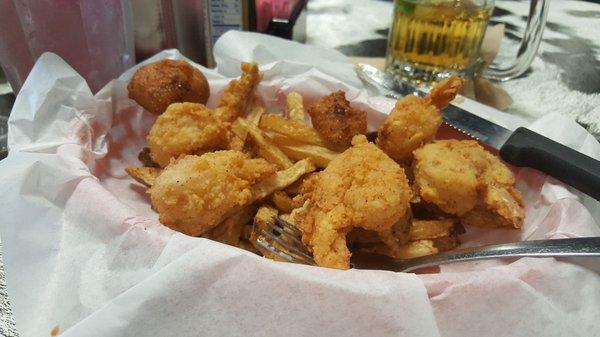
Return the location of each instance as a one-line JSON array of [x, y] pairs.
[[414, 121], [462, 178], [500, 204], [235, 98], [194, 194], [336, 121], [362, 187], [186, 128], [443, 177]]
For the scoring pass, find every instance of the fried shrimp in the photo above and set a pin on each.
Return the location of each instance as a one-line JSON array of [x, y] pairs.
[[336, 121], [462, 178], [243, 174], [414, 121], [157, 85], [186, 128], [235, 98], [194, 194], [362, 187], [443, 177]]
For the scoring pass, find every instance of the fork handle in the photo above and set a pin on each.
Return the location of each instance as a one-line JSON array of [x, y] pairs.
[[589, 247]]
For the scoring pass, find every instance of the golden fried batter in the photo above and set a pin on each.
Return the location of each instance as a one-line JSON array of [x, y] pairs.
[[414, 121], [157, 85], [336, 121], [444, 92], [230, 230], [195, 193], [235, 98], [444, 178], [186, 128], [362, 187], [501, 204], [462, 178]]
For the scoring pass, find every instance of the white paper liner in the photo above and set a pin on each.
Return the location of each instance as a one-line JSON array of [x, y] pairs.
[[83, 250]]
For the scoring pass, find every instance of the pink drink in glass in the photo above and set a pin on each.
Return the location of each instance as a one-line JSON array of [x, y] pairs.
[[94, 37]]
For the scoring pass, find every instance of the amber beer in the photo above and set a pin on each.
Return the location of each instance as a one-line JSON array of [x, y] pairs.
[[433, 39]]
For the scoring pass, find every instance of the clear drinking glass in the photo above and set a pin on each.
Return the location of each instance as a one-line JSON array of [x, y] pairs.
[[94, 37], [433, 39]]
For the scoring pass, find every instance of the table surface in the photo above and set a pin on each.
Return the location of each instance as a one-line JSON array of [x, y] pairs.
[[564, 78]]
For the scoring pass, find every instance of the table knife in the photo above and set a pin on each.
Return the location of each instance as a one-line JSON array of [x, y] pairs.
[[522, 147]]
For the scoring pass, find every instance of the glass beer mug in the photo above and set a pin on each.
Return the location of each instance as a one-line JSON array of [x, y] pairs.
[[433, 39]]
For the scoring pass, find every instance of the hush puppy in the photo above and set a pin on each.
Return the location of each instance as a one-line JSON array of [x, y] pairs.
[[336, 121], [157, 85]]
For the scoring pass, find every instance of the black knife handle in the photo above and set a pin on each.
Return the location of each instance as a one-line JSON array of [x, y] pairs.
[[527, 148]]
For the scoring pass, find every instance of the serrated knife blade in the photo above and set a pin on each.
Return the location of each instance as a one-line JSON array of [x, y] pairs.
[[523, 147]]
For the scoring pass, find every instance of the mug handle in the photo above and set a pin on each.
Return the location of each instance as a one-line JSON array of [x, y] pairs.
[[536, 21]]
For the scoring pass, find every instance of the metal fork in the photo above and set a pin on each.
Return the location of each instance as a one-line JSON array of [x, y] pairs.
[[282, 239]]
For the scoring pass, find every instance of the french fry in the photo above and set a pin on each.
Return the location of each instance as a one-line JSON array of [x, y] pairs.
[[255, 114], [292, 130], [230, 230], [431, 229], [417, 248], [145, 159], [286, 217], [318, 155], [446, 243], [482, 217], [408, 251], [419, 230], [295, 108], [143, 174], [240, 135], [266, 149], [239, 129], [283, 202], [264, 215], [397, 236], [282, 179]]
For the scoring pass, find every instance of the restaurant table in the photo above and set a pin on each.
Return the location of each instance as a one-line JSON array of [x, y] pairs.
[[564, 77]]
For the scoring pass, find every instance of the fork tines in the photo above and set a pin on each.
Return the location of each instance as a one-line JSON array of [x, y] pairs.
[[282, 238]]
